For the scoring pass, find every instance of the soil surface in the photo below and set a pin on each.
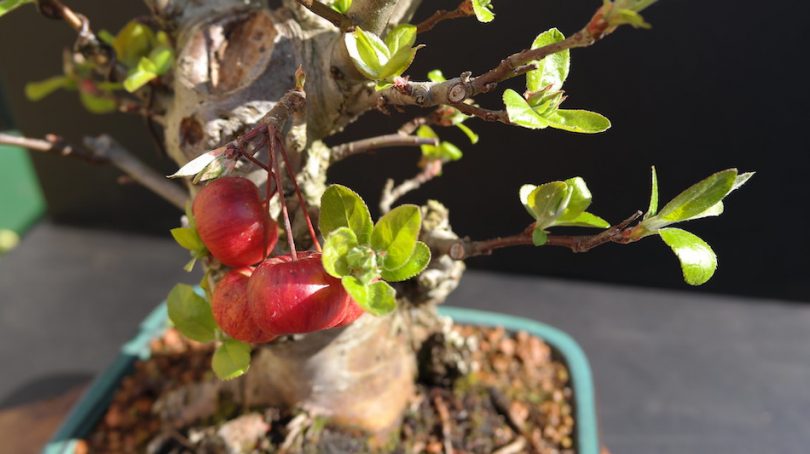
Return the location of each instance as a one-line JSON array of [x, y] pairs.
[[480, 390]]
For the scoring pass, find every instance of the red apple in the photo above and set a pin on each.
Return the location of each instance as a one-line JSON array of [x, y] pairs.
[[353, 312], [232, 223], [230, 307], [292, 297]]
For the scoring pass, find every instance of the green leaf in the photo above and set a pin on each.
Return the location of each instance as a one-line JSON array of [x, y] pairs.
[[547, 201], [523, 194], [741, 180], [189, 266], [231, 359], [483, 10], [436, 75], [140, 75], [134, 41], [402, 36], [697, 198], [539, 236], [163, 59], [698, 261], [342, 207], [97, 104], [342, 6], [395, 235], [191, 314], [6, 6], [582, 121], [187, 238], [449, 152], [585, 219], [35, 91], [551, 70], [338, 244], [378, 298], [579, 199], [398, 63], [521, 113], [418, 261], [367, 51], [468, 132], [653, 207]]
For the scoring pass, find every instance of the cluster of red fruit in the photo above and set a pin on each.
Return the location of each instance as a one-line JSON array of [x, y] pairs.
[[262, 298]]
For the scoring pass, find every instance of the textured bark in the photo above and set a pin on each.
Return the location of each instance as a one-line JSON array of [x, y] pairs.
[[235, 60]]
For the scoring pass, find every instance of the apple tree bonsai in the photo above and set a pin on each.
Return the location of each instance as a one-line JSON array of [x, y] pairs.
[[310, 302]]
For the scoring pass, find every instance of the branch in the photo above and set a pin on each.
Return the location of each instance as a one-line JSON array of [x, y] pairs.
[[463, 249], [464, 9], [391, 194], [104, 149], [391, 140], [484, 114], [372, 15], [456, 90], [337, 19]]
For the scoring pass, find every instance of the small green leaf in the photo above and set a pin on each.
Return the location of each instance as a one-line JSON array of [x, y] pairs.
[[338, 243], [468, 132], [402, 36], [552, 70], [697, 198], [399, 62], [539, 236], [653, 208], [418, 261], [342, 207], [97, 104], [547, 201], [134, 41], [579, 199], [367, 51], [342, 6], [191, 314], [523, 194], [585, 219], [378, 298], [140, 75], [581, 121], [436, 76], [741, 180], [231, 359], [187, 238], [521, 113], [395, 235], [189, 266], [698, 261], [483, 10], [6, 6], [35, 91], [162, 57], [449, 152]]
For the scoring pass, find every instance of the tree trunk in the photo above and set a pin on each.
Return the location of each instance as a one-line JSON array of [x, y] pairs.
[[235, 60]]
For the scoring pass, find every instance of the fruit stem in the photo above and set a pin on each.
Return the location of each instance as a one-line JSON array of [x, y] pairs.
[[301, 201], [280, 189]]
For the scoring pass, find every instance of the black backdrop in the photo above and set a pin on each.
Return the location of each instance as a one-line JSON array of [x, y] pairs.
[[713, 85]]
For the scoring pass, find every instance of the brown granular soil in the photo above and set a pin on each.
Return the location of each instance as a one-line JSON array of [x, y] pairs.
[[484, 390]]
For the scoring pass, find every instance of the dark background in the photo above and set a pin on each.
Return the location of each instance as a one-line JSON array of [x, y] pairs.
[[713, 85]]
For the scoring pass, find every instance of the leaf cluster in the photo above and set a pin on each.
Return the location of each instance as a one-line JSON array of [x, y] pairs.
[[366, 256], [382, 61]]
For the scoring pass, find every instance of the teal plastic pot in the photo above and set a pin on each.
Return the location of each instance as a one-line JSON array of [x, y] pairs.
[[93, 404]]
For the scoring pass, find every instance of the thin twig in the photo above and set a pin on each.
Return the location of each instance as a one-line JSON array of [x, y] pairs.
[[345, 150], [100, 150], [284, 213], [301, 201], [391, 194], [464, 9], [339, 20], [444, 417], [484, 114], [463, 249]]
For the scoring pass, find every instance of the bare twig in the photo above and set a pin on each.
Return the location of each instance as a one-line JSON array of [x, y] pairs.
[[391, 194], [88, 42], [104, 149], [444, 417], [484, 114], [337, 19], [387, 141], [463, 249], [464, 9]]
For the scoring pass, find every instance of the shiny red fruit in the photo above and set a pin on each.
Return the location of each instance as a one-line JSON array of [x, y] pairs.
[[292, 297], [230, 307], [232, 223], [353, 312]]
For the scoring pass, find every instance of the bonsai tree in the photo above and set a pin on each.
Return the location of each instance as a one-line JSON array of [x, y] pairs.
[[312, 303]]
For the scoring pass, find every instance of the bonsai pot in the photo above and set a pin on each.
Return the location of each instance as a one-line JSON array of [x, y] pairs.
[[93, 404]]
